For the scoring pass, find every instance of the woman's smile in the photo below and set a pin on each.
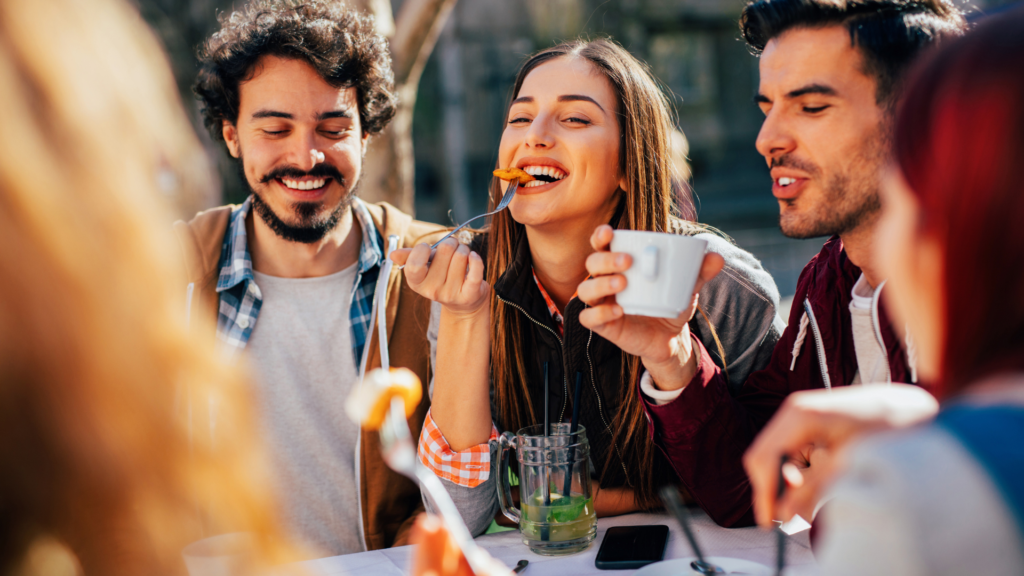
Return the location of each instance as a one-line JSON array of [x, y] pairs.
[[548, 173]]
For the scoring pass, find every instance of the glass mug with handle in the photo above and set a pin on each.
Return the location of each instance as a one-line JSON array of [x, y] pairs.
[[556, 514]]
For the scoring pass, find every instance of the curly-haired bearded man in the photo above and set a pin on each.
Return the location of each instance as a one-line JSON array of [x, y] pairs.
[[290, 275]]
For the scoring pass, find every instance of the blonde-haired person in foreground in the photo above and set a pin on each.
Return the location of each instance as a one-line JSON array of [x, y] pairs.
[[95, 356], [105, 471]]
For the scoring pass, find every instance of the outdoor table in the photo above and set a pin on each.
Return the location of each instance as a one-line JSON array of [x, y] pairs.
[[746, 543]]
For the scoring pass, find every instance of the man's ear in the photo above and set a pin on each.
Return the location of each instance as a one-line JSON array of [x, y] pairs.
[[366, 142], [230, 134]]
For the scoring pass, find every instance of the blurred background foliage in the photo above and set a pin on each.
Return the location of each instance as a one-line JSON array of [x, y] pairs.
[[464, 79]]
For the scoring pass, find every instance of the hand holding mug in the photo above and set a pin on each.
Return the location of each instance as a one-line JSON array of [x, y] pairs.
[[663, 344]]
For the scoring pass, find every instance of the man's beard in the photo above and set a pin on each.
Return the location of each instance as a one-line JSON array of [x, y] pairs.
[[312, 223], [847, 200]]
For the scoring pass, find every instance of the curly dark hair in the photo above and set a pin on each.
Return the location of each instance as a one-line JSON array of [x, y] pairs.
[[341, 45]]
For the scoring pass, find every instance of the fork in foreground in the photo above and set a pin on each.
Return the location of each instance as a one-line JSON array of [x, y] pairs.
[[400, 455]]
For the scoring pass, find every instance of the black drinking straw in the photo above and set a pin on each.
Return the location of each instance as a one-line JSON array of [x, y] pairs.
[[780, 544], [547, 425], [545, 532], [573, 427]]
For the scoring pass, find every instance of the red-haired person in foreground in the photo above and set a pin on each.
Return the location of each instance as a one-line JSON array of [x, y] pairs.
[[946, 496], [104, 472]]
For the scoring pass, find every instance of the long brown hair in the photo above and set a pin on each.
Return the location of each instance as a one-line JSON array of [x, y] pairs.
[[95, 354], [645, 128]]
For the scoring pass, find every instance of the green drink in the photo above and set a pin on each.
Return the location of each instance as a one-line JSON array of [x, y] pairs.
[[551, 523], [566, 518]]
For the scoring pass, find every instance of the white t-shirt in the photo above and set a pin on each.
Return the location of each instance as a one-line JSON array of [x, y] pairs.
[[872, 361], [301, 349]]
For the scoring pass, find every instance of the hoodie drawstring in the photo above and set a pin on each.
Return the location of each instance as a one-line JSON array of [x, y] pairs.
[[801, 335], [911, 355]]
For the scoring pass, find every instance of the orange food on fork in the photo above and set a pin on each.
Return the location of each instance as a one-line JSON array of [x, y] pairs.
[[371, 401], [513, 173]]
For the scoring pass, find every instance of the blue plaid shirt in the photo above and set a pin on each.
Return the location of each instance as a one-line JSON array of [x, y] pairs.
[[241, 299]]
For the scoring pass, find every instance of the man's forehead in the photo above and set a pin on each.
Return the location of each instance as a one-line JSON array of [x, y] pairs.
[[804, 56], [292, 85]]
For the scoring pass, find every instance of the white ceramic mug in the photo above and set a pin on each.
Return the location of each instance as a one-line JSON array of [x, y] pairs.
[[665, 268]]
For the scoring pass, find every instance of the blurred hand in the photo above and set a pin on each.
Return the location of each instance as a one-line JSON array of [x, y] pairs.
[[807, 476], [663, 345], [436, 553], [455, 277], [813, 427]]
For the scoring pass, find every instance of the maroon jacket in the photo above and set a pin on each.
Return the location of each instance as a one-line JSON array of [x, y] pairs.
[[705, 431]]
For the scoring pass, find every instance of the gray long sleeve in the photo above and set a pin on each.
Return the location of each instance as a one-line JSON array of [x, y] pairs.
[[741, 303]]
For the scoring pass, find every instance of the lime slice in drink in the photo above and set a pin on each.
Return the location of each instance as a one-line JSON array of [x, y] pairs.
[[561, 509]]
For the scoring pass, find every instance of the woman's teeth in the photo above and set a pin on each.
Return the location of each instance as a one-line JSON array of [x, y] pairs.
[[786, 181], [304, 184], [544, 175]]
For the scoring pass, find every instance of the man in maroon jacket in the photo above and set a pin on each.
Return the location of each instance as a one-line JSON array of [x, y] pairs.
[[830, 77]]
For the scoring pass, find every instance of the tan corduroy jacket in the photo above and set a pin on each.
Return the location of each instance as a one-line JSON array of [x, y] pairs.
[[389, 501]]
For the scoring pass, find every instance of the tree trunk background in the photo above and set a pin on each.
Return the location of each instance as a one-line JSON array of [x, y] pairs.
[[389, 169]]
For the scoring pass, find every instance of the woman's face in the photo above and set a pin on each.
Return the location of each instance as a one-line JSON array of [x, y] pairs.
[[912, 263], [563, 127]]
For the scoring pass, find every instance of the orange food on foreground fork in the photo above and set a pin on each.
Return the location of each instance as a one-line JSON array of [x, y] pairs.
[[514, 174], [370, 402]]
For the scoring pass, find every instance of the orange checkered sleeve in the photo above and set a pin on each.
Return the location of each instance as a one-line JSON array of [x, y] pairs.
[[470, 467]]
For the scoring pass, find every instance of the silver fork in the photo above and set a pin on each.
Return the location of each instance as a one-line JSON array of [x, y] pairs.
[[400, 455], [505, 200]]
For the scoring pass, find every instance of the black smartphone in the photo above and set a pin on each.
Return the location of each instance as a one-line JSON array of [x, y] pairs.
[[626, 547]]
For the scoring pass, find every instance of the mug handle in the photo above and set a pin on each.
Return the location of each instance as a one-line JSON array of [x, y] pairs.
[[502, 446], [649, 263]]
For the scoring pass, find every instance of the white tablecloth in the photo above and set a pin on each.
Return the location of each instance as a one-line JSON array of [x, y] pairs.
[[746, 543]]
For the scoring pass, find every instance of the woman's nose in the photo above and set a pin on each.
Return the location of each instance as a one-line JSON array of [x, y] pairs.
[[539, 136]]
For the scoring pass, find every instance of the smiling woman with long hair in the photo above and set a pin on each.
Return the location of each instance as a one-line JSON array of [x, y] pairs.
[[590, 120]]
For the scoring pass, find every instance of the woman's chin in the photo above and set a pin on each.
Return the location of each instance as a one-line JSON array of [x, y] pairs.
[[532, 210], [530, 218], [548, 211], [537, 216]]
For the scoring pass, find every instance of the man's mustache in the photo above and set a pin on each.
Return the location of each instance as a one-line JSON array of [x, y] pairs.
[[323, 170], [788, 161]]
